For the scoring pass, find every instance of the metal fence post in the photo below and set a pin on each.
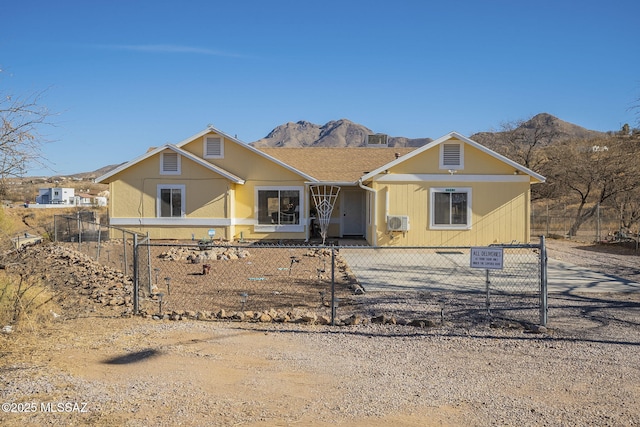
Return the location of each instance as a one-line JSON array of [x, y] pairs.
[[488, 283], [598, 239], [146, 240], [99, 241], [79, 233], [543, 282], [124, 252], [136, 276], [333, 286], [548, 221]]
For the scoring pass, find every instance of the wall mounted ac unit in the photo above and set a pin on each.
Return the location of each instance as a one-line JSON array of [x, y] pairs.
[[397, 223]]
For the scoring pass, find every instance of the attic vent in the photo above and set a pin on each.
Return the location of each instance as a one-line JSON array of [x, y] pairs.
[[398, 223], [170, 163], [451, 156], [213, 147]]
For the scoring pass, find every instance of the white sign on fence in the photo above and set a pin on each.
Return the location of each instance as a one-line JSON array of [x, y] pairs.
[[487, 258]]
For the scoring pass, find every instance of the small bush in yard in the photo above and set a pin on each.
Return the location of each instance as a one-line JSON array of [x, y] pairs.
[[24, 301]]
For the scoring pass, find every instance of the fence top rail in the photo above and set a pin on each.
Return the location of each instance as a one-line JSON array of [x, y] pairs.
[[73, 218], [222, 245], [441, 248], [211, 245]]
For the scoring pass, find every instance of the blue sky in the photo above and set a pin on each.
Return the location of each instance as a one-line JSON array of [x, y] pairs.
[[123, 76]]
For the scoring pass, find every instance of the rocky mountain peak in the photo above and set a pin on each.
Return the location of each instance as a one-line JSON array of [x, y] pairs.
[[335, 133]]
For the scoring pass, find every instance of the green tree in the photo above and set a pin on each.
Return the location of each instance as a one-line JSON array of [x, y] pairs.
[[625, 130]]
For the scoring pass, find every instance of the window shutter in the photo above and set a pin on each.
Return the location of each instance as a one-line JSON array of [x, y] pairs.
[[170, 162], [451, 155], [213, 147]]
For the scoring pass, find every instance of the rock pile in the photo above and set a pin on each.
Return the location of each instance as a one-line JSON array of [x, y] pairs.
[[77, 279], [267, 316], [197, 256], [293, 316]]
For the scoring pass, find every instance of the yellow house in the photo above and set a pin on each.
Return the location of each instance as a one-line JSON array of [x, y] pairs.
[[450, 192]]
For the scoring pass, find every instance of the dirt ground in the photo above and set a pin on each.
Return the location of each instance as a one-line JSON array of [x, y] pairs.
[[96, 367]]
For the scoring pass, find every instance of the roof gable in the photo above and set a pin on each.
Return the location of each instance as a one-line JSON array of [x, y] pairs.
[[248, 147], [177, 147], [535, 177], [185, 154]]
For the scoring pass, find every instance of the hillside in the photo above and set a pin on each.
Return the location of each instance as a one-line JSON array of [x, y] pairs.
[[96, 173], [549, 128]]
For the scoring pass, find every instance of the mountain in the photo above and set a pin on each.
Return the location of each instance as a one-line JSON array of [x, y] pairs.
[[340, 133], [345, 133], [548, 128]]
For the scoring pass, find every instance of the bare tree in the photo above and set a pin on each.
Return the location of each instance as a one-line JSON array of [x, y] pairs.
[[523, 140], [593, 172], [628, 202], [21, 140], [629, 206], [636, 107]]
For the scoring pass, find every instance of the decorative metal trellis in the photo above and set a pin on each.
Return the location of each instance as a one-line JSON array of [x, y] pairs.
[[324, 197]]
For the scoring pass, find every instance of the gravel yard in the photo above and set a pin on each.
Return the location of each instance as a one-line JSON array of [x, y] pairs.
[[584, 370]]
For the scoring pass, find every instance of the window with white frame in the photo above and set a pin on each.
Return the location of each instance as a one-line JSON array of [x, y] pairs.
[[450, 208], [451, 155], [213, 147], [278, 206], [170, 163], [171, 201]]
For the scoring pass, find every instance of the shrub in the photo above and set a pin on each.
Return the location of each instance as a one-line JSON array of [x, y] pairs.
[[24, 301]]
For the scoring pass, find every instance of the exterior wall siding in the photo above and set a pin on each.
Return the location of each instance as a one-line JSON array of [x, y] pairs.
[[499, 214], [500, 201], [212, 202]]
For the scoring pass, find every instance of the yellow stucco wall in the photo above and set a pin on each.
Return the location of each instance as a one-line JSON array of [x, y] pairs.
[[137, 190], [208, 195]]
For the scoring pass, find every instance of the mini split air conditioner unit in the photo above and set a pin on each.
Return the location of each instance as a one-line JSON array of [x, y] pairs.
[[397, 223]]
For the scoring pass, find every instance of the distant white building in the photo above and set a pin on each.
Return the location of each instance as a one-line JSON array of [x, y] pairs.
[[85, 199], [56, 196]]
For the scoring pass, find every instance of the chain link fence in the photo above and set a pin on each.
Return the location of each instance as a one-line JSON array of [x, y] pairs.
[[604, 226], [334, 284], [110, 246], [340, 284]]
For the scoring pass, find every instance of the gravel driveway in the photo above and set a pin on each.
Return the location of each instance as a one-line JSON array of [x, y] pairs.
[[584, 370]]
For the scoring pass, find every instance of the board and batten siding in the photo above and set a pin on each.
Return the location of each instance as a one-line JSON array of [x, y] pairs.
[[499, 214]]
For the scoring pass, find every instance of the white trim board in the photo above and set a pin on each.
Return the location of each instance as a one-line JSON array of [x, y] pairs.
[[451, 178]]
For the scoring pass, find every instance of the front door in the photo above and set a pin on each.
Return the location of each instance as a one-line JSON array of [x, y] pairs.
[[353, 213]]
